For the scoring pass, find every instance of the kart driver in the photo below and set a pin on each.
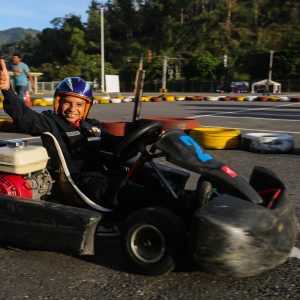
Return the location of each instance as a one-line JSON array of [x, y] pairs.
[[80, 138]]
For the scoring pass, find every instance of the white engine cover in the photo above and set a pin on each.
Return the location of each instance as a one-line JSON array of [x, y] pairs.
[[18, 158]]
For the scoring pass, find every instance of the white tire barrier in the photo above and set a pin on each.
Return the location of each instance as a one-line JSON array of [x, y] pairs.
[[180, 98], [268, 142], [115, 100], [212, 98], [250, 98], [128, 99], [284, 98]]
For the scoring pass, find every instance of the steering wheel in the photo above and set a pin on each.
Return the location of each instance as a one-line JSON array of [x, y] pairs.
[[145, 134]]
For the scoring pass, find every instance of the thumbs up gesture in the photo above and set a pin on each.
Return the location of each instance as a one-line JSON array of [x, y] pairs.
[[4, 76]]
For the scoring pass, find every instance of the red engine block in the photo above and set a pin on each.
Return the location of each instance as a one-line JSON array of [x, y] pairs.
[[15, 185]]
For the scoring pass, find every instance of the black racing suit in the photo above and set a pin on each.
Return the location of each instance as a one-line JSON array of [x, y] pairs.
[[80, 146]]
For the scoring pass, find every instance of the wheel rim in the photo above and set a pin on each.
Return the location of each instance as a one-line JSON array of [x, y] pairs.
[[147, 244]]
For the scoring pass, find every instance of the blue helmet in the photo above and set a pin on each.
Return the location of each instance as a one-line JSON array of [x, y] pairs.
[[74, 86]]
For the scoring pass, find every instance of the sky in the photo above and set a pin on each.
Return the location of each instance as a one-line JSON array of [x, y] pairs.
[[37, 14]]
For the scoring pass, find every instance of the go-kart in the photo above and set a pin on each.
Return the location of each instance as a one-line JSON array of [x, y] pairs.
[[227, 225]]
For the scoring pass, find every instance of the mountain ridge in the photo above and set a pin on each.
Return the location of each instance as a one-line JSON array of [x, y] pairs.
[[15, 34]]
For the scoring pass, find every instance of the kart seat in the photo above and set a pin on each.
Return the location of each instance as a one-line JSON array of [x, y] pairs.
[[64, 185]]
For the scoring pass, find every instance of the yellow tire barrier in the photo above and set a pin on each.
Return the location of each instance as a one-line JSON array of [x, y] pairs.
[[274, 99], [104, 101], [217, 138], [239, 98], [37, 102], [169, 98], [97, 98], [146, 98]]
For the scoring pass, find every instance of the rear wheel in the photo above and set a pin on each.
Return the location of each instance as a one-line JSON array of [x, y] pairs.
[[152, 241]]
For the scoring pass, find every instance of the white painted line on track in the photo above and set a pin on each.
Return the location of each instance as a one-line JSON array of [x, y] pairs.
[[255, 118], [295, 252], [245, 110]]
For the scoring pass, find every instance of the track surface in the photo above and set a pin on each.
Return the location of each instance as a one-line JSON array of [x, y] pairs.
[[28, 274]]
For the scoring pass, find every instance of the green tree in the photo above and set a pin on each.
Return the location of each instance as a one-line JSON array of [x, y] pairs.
[[202, 66]]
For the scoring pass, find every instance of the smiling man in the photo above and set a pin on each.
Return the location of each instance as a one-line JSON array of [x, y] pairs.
[[80, 137]]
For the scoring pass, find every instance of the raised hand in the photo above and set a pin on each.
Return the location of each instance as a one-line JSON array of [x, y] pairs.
[[4, 76]]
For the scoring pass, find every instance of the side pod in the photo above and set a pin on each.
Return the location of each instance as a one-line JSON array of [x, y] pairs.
[[235, 237], [46, 225]]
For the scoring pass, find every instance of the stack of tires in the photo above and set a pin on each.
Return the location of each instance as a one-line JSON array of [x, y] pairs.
[[268, 142], [217, 138]]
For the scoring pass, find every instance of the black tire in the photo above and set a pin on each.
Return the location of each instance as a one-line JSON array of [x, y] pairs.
[[152, 241]]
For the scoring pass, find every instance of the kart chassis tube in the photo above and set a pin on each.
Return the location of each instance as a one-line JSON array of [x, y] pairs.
[[146, 157]]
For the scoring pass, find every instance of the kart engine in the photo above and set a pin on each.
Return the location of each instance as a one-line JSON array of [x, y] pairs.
[[23, 170], [34, 185]]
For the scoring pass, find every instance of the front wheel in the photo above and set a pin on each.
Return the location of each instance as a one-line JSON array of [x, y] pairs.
[[153, 240]]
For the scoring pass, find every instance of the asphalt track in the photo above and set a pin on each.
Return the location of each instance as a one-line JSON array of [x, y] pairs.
[[29, 274]]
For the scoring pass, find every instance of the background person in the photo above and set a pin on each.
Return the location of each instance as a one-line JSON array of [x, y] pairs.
[[21, 76]]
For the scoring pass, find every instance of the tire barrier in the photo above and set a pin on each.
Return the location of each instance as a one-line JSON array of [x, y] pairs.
[[226, 98], [104, 101], [190, 98], [212, 98], [295, 99], [115, 100], [37, 102], [169, 98], [179, 98], [200, 98], [268, 142], [146, 98], [239, 98], [42, 102], [217, 138], [128, 99], [262, 98], [273, 99], [174, 123], [250, 98], [156, 99], [284, 98]]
